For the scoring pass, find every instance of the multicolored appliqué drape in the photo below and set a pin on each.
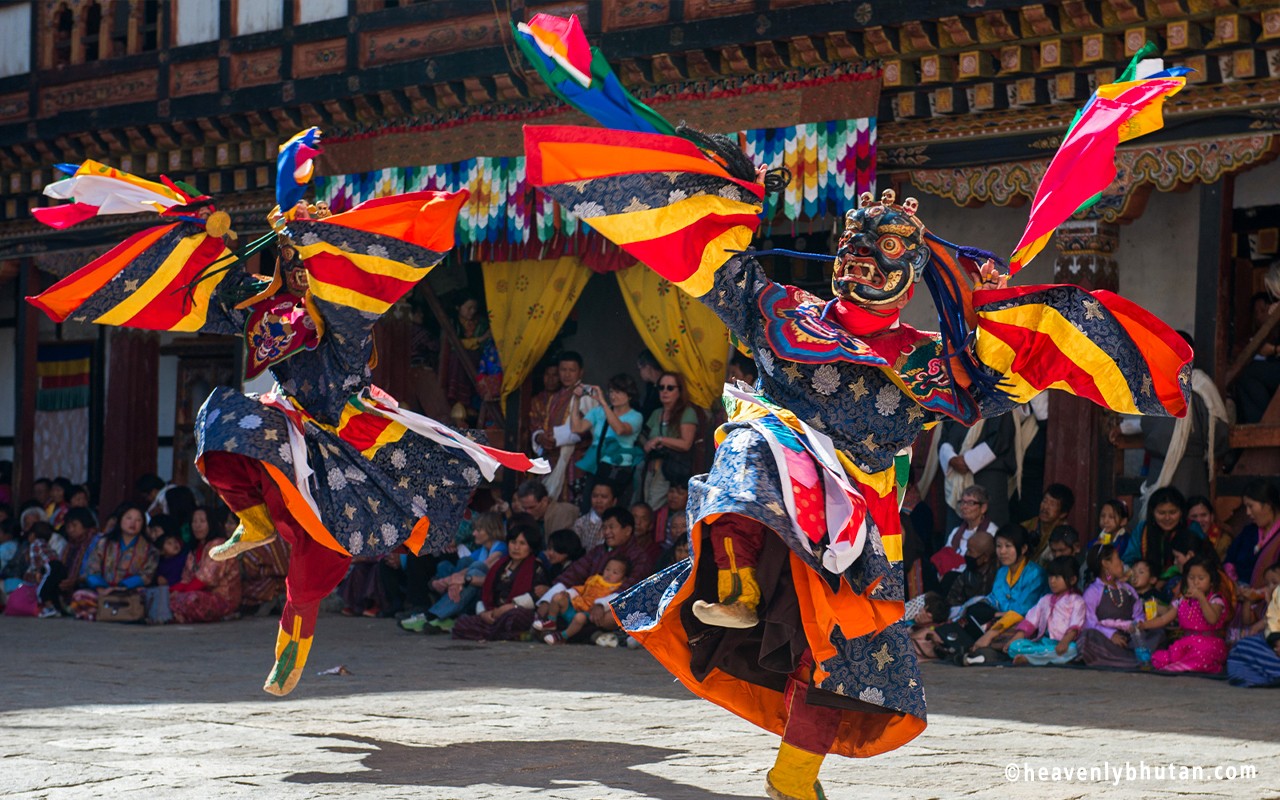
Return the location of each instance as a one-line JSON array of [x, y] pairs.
[[832, 163]]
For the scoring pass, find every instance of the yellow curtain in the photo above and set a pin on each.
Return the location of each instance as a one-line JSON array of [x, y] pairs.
[[684, 334], [528, 302]]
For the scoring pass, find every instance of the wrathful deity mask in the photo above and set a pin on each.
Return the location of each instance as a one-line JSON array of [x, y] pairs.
[[882, 252]]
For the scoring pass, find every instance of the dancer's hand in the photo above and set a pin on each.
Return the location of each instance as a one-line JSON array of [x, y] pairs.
[[990, 276]]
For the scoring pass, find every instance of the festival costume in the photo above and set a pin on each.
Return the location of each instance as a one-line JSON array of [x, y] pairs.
[[1046, 624], [797, 522], [1203, 648], [326, 460], [1254, 661]]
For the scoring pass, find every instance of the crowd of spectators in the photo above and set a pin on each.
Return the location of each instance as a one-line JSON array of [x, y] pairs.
[[1173, 591]]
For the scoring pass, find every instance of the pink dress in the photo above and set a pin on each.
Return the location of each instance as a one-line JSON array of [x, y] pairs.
[[1201, 649]]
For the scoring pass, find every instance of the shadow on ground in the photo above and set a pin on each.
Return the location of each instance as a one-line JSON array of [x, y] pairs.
[[542, 765]]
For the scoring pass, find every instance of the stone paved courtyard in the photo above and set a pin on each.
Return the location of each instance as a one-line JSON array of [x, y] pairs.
[[176, 712]]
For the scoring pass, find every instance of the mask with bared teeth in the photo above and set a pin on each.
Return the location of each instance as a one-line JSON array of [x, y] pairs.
[[882, 252]]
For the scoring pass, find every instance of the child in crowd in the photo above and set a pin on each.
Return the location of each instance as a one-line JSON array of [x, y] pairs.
[[563, 548], [8, 546], [1264, 595], [1143, 580], [458, 584], [1202, 614], [44, 561], [1112, 609], [1113, 523], [923, 615], [1047, 635], [572, 606], [678, 552], [173, 558], [1019, 583], [159, 526]]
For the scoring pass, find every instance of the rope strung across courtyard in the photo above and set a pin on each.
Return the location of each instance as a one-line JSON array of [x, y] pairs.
[[788, 611]]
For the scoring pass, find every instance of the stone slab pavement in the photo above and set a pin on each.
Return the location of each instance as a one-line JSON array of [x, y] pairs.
[[95, 710]]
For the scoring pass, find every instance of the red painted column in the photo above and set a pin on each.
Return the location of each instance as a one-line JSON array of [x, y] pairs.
[[1077, 452], [130, 430]]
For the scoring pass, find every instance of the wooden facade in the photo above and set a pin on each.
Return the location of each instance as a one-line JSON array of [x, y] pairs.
[[974, 95]]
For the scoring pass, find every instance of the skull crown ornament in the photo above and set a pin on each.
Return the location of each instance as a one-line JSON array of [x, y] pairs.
[[882, 252]]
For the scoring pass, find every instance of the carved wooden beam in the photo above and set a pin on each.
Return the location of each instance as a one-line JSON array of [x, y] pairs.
[[767, 57], [733, 61], [839, 48], [700, 66], [417, 100], [802, 52]]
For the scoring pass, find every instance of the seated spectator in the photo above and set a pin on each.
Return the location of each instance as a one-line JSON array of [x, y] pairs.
[[1257, 546], [78, 528], [41, 491], [1262, 596], [923, 615], [1255, 661], [563, 548], [78, 497], [569, 609], [677, 503], [1143, 580], [979, 574], [1065, 542], [262, 573], [506, 598], [172, 561], [458, 584], [1055, 507], [1112, 609], [1200, 511], [618, 528], [742, 368], [209, 590], [1019, 584], [1186, 546], [949, 559], [643, 516], [161, 525], [149, 488], [1047, 635], [362, 590], [1202, 615], [1258, 381], [12, 564], [1113, 525], [678, 552], [30, 516], [1166, 517], [532, 499], [44, 567], [587, 526], [122, 559], [59, 490]]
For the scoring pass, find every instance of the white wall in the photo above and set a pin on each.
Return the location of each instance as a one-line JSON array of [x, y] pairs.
[[1157, 257], [1259, 186], [316, 10], [195, 21], [1156, 254], [254, 16], [15, 55]]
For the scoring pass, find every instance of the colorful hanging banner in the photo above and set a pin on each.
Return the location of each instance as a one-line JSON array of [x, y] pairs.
[[831, 163]]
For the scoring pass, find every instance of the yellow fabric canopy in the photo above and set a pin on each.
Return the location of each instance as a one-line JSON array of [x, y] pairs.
[[528, 303], [683, 334]]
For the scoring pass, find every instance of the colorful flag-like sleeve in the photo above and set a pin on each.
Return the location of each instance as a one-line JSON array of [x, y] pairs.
[[657, 197], [1096, 345], [369, 257], [161, 279]]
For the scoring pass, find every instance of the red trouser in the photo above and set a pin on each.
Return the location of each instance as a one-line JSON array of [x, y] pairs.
[[811, 728], [314, 570], [747, 536]]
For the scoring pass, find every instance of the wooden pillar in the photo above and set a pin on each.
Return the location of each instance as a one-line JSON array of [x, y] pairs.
[[131, 427], [1077, 453], [26, 383]]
